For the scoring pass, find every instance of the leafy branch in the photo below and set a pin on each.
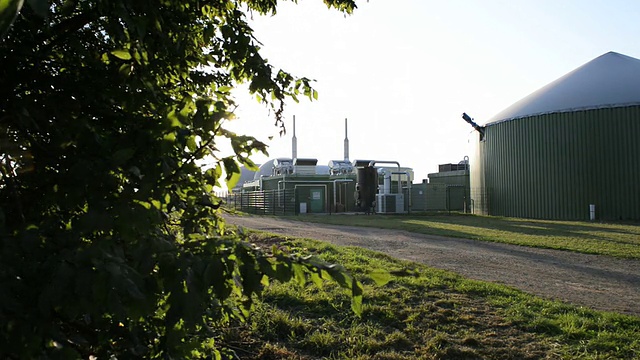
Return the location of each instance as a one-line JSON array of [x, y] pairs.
[[112, 244]]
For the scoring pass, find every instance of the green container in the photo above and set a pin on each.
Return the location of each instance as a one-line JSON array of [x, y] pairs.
[[554, 166]]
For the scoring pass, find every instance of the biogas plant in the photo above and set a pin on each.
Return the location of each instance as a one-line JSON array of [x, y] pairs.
[[286, 186], [568, 151]]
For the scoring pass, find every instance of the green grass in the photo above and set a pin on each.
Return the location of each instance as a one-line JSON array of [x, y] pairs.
[[422, 313], [619, 240]]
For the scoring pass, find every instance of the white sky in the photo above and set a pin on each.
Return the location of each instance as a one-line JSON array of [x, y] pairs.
[[403, 71]]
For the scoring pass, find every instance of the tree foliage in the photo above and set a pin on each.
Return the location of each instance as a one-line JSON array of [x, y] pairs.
[[111, 242]]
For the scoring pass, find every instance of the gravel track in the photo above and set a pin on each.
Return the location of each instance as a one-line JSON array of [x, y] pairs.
[[595, 281]]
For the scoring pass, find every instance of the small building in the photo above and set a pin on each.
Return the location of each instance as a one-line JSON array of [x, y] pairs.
[[446, 190]]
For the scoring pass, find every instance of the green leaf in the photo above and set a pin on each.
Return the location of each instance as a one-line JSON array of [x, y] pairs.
[[380, 276], [133, 289], [9, 10], [298, 272], [356, 297], [232, 180], [157, 204], [283, 272], [122, 156], [233, 172], [125, 70], [173, 119], [340, 276], [40, 7], [122, 54], [68, 6], [316, 279], [191, 143]]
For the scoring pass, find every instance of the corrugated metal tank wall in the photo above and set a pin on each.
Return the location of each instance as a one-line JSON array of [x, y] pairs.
[[553, 166]]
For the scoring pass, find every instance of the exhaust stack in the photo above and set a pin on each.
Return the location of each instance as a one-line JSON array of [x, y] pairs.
[[294, 141], [346, 142]]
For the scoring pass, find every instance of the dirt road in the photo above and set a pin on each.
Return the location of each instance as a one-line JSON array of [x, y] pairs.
[[599, 282]]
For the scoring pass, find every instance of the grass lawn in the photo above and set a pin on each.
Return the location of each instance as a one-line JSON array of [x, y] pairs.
[[620, 240], [422, 313]]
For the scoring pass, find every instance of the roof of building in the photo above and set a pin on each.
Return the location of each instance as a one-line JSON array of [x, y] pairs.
[[610, 80], [245, 175], [265, 169]]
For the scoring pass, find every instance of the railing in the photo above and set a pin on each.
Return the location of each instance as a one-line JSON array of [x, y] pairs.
[[268, 202]]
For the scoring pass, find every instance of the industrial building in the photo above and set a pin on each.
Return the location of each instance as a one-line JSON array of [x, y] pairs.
[[301, 186], [568, 151], [446, 190]]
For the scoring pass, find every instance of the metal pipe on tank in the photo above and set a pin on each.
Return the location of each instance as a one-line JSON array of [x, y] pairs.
[[386, 185], [386, 190], [373, 162], [478, 128]]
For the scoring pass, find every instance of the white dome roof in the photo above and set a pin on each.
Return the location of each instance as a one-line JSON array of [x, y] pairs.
[[610, 80], [265, 169], [245, 175]]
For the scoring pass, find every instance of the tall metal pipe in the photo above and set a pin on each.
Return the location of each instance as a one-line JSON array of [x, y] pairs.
[[294, 141], [346, 142]]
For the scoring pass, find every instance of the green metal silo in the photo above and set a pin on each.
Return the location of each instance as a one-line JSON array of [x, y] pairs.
[[572, 144]]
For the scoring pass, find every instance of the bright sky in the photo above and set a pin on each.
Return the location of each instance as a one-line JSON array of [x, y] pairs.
[[404, 71]]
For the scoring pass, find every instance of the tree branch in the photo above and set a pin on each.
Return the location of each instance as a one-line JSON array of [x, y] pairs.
[[62, 30]]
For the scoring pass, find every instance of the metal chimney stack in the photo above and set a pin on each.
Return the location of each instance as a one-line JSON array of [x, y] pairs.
[[346, 142], [294, 141]]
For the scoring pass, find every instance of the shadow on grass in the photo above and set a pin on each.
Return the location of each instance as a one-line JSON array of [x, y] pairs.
[[621, 240], [535, 227]]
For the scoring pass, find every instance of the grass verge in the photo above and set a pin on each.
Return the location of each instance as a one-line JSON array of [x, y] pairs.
[[422, 313], [619, 240]]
